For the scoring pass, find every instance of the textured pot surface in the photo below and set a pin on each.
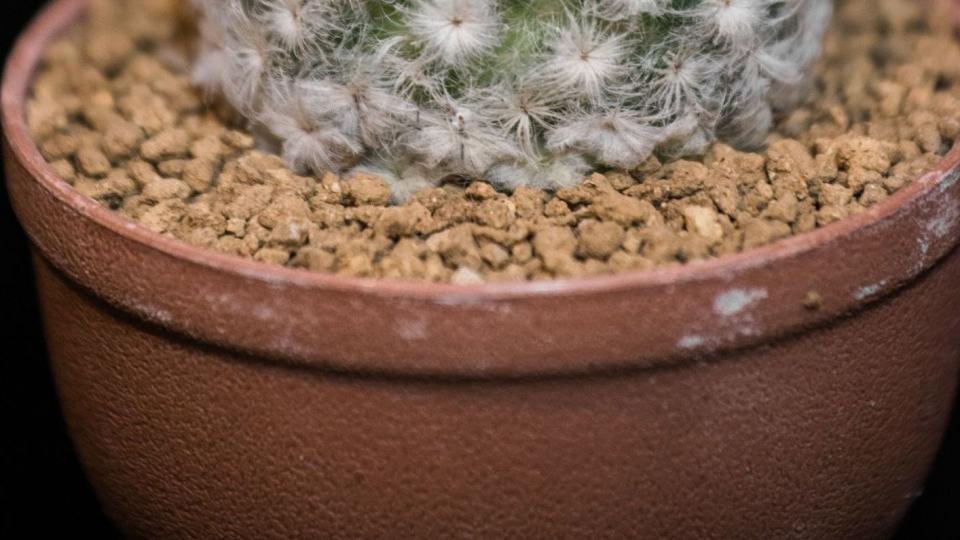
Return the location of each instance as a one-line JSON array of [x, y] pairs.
[[210, 396]]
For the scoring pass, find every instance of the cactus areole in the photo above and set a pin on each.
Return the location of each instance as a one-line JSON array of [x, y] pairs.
[[519, 92]]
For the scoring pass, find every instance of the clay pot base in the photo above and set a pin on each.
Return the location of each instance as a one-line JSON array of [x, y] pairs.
[[126, 129]]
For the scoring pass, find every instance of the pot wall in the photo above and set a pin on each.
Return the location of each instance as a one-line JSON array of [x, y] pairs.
[[210, 396], [825, 435]]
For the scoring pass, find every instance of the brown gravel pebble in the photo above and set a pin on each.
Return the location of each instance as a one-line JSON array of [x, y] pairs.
[[813, 301], [115, 115]]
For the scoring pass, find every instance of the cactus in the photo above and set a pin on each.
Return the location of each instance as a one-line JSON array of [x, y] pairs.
[[520, 92]]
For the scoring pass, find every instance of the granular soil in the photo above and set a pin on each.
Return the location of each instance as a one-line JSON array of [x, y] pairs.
[[113, 111]]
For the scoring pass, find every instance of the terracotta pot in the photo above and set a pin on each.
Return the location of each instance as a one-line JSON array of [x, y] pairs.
[[210, 396]]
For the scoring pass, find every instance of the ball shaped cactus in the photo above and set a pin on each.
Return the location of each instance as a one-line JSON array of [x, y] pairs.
[[520, 92]]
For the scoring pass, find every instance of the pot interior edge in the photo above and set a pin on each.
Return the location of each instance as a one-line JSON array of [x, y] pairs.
[[59, 15]]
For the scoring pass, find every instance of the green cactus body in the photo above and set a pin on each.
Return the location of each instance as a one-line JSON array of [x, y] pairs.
[[521, 92]]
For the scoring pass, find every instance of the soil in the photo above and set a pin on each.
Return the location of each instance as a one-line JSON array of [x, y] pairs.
[[114, 113]]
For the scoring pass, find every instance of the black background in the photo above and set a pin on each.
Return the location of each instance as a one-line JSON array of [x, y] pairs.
[[42, 488]]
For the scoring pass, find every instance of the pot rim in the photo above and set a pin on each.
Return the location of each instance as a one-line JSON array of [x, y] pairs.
[[633, 320], [19, 72]]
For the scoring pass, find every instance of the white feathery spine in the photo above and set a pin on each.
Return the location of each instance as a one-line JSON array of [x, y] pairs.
[[520, 92]]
